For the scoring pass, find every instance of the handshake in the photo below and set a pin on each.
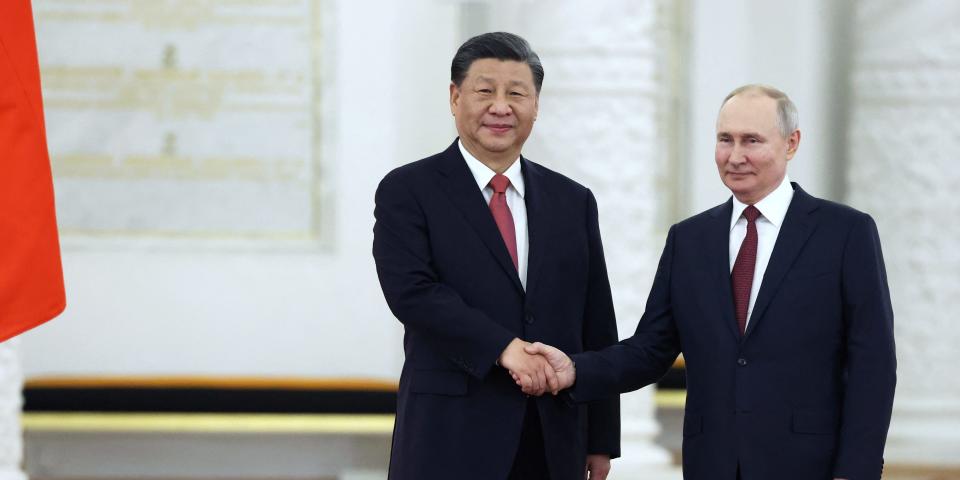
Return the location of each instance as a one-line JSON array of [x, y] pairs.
[[538, 368]]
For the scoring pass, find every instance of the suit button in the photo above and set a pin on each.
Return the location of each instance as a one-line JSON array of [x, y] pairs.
[[742, 362], [530, 319]]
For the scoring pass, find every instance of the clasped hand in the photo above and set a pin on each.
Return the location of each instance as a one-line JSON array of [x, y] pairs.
[[538, 368]]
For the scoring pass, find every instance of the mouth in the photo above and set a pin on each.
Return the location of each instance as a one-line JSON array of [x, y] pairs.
[[739, 174], [498, 128]]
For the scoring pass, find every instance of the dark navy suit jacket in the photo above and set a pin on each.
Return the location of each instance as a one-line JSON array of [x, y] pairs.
[[807, 392], [447, 276]]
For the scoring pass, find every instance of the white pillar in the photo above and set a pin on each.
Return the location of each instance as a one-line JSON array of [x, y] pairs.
[[601, 122], [903, 154], [11, 438]]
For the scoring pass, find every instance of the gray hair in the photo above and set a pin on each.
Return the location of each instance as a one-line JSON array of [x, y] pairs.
[[788, 119]]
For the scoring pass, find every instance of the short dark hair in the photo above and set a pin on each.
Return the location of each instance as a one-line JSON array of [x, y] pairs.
[[499, 45]]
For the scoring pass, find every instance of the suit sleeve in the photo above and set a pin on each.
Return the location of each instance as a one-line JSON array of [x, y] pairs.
[[600, 331], [871, 355], [641, 359], [414, 292]]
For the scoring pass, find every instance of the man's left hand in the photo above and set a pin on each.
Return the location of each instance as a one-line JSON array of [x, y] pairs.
[[598, 467]]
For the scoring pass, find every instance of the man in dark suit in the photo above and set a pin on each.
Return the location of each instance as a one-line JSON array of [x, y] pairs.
[[478, 251], [779, 303]]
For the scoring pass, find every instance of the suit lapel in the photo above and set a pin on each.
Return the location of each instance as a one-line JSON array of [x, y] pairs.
[[796, 229], [718, 260], [460, 186], [536, 203]]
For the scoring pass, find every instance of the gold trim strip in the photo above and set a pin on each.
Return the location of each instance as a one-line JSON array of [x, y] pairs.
[[374, 424], [239, 383], [679, 362], [670, 398]]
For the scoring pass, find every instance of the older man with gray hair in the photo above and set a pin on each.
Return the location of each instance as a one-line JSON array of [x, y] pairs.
[[779, 303]]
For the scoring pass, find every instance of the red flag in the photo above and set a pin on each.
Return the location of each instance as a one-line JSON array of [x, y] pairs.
[[31, 278]]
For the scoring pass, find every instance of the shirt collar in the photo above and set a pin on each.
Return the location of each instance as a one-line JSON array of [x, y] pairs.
[[483, 174], [773, 207]]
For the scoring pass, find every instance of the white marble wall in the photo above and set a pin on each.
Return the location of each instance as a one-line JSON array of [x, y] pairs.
[[799, 47], [904, 149], [268, 305]]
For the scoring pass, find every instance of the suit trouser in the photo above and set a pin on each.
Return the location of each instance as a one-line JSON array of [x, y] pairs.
[[531, 460]]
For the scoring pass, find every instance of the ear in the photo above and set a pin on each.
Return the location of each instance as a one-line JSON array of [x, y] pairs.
[[454, 98], [793, 142], [536, 106]]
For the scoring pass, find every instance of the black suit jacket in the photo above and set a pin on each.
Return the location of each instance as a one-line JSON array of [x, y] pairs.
[[807, 392], [447, 276]]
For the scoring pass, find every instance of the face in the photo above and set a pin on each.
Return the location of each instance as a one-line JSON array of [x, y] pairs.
[[751, 152], [495, 107]]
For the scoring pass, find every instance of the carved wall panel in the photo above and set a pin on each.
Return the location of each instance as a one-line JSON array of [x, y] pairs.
[[904, 147]]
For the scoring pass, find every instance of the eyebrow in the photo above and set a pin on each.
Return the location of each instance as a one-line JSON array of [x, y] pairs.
[[512, 83], [741, 134]]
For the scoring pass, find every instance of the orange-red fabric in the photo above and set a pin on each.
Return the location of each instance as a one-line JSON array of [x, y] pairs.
[[31, 277]]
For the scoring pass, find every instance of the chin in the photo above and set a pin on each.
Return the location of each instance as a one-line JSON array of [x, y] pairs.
[[737, 186], [497, 146], [740, 191]]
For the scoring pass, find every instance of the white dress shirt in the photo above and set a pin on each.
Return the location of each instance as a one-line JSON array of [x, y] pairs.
[[483, 174], [773, 209]]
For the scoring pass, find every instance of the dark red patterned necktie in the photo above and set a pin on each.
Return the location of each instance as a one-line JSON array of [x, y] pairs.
[[742, 275], [503, 217]]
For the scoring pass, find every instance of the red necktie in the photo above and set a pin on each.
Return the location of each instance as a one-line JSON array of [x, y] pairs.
[[742, 275], [501, 215]]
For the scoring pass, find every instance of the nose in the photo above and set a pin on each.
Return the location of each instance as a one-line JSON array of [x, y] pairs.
[[737, 155], [500, 107]]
